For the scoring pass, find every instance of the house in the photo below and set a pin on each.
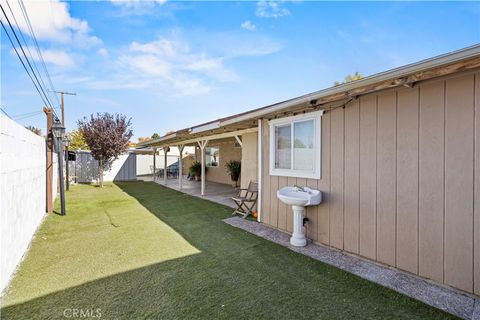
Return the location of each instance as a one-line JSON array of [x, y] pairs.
[[395, 155]]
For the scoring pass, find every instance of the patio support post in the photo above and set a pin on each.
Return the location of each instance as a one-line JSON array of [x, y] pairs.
[[165, 151], [202, 144], [154, 162], [180, 165], [259, 170]]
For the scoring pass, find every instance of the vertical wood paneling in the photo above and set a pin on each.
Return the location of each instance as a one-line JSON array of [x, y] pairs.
[[282, 208], [407, 179], [386, 174], [267, 214], [324, 183], [290, 182], [459, 153], [431, 180], [368, 167], [352, 178], [336, 176], [400, 181], [274, 201], [312, 213], [302, 182], [476, 215]]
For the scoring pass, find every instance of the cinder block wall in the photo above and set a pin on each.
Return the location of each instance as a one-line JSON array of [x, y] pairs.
[[22, 192]]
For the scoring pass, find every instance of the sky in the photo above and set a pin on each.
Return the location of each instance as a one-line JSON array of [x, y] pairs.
[[169, 65]]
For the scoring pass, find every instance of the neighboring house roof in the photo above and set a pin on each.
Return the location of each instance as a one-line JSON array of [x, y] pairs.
[[456, 61]]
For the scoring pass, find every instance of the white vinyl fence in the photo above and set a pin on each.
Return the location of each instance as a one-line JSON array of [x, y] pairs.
[[127, 167], [22, 192], [145, 163]]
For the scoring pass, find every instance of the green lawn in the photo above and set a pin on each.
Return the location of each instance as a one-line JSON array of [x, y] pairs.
[[139, 251]]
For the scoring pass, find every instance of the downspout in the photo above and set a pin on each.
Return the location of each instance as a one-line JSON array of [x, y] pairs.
[[260, 170]]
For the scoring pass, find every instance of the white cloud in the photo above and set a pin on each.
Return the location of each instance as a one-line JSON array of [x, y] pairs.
[[271, 9], [179, 65], [52, 21], [136, 7], [175, 66], [148, 64], [248, 25], [205, 64], [137, 3], [103, 52], [59, 58]]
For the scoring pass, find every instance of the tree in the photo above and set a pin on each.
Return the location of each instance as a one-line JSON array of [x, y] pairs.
[[77, 140], [155, 136], [349, 78], [108, 136], [143, 139], [35, 130]]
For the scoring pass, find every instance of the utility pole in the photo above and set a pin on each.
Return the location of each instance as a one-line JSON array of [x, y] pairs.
[[62, 93], [63, 103]]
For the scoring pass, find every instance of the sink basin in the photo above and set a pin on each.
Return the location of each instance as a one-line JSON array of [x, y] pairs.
[[295, 196], [299, 198]]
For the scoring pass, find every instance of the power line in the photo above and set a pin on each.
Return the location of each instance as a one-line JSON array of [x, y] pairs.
[[24, 41], [32, 33], [23, 114], [23, 64], [37, 84], [5, 112], [23, 38], [29, 116]]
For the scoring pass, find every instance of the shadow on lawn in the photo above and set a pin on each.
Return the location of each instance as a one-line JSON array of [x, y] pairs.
[[236, 276]]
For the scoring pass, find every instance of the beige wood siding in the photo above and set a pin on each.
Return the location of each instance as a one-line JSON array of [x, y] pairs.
[[386, 174], [352, 179], [249, 159], [431, 179], [228, 151], [459, 133], [400, 180], [407, 180], [476, 187]]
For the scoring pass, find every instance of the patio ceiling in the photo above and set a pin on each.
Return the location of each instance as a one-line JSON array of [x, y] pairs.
[[326, 99]]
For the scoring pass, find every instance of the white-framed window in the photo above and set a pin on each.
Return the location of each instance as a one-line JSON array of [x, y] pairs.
[[212, 156], [295, 146]]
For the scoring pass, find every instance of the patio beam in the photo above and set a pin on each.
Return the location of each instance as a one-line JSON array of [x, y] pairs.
[[239, 141], [211, 137], [202, 144], [180, 165]]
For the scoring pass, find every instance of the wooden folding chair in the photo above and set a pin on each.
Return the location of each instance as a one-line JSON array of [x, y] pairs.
[[246, 200]]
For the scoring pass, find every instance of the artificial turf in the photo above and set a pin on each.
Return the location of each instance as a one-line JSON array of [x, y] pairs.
[[137, 250]]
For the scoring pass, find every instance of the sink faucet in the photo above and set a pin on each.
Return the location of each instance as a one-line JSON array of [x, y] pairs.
[[299, 188]]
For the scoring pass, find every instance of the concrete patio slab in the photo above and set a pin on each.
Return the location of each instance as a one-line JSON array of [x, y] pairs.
[[215, 192], [446, 299]]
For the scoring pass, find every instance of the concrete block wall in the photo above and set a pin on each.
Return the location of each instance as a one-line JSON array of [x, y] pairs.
[[22, 192]]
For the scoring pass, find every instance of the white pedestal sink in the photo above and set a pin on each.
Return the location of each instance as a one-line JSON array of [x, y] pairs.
[[299, 198]]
